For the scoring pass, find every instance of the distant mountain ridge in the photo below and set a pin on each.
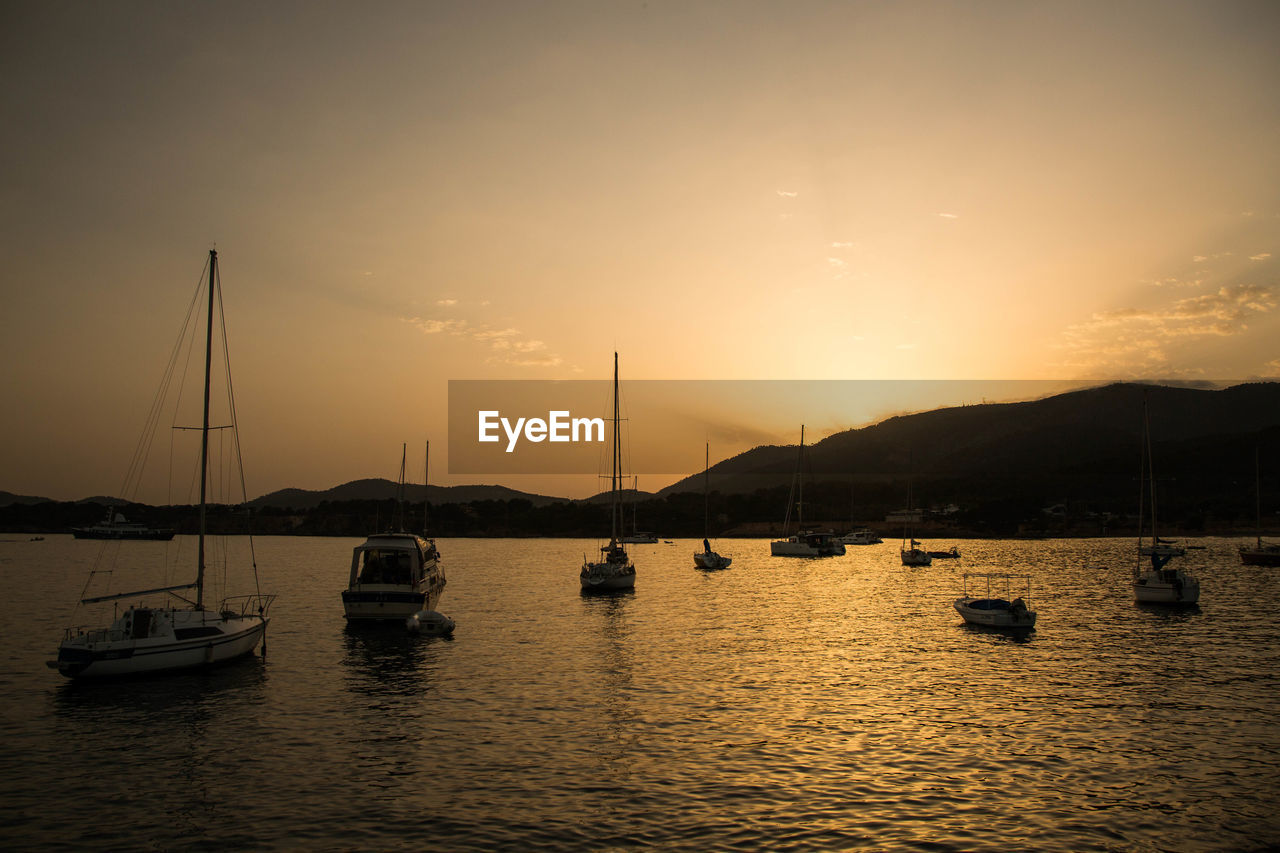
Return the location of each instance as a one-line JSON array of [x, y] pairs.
[[1091, 429], [382, 489]]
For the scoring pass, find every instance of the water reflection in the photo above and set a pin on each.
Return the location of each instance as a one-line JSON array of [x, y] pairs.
[[386, 660]]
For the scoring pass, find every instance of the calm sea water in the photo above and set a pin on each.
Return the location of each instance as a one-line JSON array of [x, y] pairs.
[[782, 704]]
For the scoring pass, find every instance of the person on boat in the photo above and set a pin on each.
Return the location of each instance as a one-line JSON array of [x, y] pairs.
[[706, 546]]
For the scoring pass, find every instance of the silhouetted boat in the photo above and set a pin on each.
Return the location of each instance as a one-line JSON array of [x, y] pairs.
[[1158, 584], [953, 553], [394, 575], [861, 536], [616, 571], [1262, 553], [114, 526], [155, 639], [993, 611], [707, 558], [804, 543]]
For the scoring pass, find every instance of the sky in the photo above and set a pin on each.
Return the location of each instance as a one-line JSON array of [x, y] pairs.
[[407, 193]]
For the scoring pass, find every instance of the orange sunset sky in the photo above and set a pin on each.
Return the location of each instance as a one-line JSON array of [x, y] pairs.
[[407, 193]]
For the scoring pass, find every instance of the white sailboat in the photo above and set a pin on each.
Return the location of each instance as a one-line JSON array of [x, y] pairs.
[[1158, 584], [916, 555], [615, 571], [157, 638], [706, 558], [638, 536], [1262, 553], [395, 576], [804, 543]]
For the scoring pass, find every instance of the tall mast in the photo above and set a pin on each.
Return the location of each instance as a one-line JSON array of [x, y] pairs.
[[706, 476], [204, 429], [426, 457], [800, 504], [1151, 470], [615, 469], [404, 453], [1257, 490]]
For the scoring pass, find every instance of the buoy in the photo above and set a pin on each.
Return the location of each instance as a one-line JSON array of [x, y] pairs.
[[429, 622]]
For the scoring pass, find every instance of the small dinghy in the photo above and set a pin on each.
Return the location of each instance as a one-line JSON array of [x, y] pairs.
[[430, 622], [993, 611]]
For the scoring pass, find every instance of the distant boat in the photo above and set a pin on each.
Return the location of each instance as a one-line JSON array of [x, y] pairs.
[[615, 572], [804, 543], [394, 576], [1262, 553], [708, 559], [114, 526], [148, 639], [861, 536], [915, 555], [953, 553], [994, 611], [636, 536], [1157, 584]]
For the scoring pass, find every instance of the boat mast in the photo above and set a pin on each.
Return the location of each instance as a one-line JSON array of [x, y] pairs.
[[426, 457], [614, 470], [1257, 491], [706, 476], [1151, 470], [204, 429], [800, 476], [404, 452]]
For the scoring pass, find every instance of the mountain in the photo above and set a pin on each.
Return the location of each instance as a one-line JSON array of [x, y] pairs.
[[378, 489], [7, 498], [1079, 434]]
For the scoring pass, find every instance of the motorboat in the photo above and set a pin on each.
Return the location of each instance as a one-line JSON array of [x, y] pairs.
[[952, 553], [115, 526], [393, 576], [153, 638], [861, 536], [993, 610]]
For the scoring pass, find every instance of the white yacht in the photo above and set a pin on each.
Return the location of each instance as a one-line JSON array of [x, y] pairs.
[[393, 576], [861, 536]]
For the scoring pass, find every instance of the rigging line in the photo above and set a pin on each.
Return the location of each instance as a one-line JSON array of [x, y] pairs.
[[142, 451], [235, 437]]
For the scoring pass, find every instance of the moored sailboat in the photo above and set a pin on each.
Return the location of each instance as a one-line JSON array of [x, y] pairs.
[[804, 542], [158, 638], [1158, 584], [615, 572], [707, 558], [1262, 553]]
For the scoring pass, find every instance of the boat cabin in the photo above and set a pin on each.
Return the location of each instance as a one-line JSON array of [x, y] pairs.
[[393, 559]]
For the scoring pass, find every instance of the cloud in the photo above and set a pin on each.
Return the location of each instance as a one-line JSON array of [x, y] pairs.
[[1260, 257], [1199, 258], [838, 263], [948, 216], [788, 193], [492, 334], [848, 244], [446, 302], [1136, 339], [434, 327], [509, 344]]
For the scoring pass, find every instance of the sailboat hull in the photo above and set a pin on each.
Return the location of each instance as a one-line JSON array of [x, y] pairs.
[[711, 560], [184, 640], [1151, 588], [1266, 556]]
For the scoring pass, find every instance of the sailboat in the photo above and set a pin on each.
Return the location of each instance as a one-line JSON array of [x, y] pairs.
[[1158, 584], [708, 559], [638, 536], [916, 555], [158, 638], [615, 571], [395, 576], [1262, 553], [805, 543]]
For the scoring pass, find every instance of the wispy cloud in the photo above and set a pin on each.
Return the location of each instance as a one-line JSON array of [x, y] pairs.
[[788, 193], [509, 345], [446, 302], [948, 216], [838, 263], [1136, 340], [846, 244], [1260, 257]]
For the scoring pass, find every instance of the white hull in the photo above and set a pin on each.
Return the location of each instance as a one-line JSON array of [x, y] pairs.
[[994, 617], [802, 546], [711, 560], [1152, 589], [113, 652], [860, 537], [393, 576], [386, 601]]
